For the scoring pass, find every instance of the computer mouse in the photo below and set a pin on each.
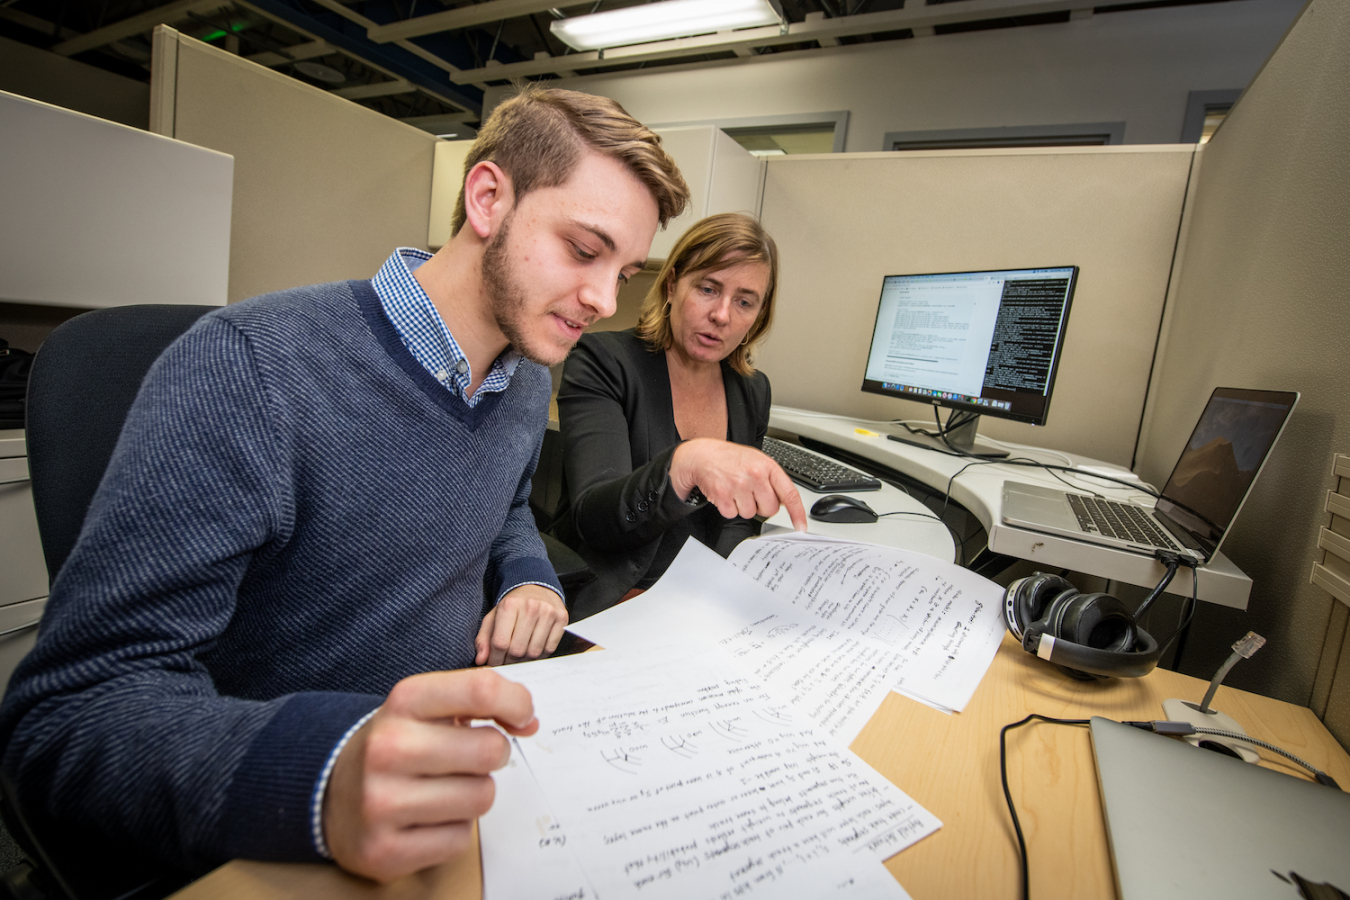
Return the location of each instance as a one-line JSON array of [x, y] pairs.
[[841, 508]]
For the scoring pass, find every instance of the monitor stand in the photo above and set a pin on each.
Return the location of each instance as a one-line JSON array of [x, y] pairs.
[[959, 439]]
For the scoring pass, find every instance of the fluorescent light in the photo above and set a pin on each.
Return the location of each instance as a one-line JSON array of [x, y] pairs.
[[659, 21]]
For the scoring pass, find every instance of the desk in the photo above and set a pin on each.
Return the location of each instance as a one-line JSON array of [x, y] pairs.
[[980, 490], [948, 763], [922, 532]]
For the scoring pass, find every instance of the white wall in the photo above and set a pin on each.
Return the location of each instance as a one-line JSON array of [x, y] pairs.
[[1136, 66]]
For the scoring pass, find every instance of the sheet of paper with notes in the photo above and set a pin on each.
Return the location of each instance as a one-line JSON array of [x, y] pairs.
[[682, 777], [943, 621]]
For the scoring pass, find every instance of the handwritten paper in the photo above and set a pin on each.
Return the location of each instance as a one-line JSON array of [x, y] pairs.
[[836, 678], [679, 776], [944, 621], [523, 846]]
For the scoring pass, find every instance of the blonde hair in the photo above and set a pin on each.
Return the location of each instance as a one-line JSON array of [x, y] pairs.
[[538, 137], [716, 242]]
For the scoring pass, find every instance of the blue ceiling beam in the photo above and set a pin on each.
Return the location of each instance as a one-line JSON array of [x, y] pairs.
[[350, 37]]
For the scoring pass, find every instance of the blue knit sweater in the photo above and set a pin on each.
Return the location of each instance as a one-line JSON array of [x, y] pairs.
[[297, 515]]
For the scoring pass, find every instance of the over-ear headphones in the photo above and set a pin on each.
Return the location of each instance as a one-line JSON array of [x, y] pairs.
[[1087, 635]]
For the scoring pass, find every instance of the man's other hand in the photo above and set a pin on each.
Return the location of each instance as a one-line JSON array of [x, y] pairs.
[[406, 789], [526, 623]]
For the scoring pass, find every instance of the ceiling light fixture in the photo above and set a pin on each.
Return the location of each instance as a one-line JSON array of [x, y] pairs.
[[660, 21]]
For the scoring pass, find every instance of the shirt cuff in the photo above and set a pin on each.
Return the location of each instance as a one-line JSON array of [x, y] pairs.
[[544, 584], [527, 570], [321, 787]]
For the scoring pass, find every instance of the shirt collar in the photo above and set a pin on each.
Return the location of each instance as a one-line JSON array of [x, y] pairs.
[[424, 333]]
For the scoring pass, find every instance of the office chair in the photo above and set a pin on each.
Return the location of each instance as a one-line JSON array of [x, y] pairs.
[[84, 379]]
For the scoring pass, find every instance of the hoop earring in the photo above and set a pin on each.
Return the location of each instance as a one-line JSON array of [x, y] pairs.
[[665, 310], [747, 339]]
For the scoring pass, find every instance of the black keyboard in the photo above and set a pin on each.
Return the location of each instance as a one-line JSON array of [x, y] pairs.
[[816, 472], [1122, 521]]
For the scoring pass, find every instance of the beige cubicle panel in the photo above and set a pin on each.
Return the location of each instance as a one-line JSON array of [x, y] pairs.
[[1260, 300], [324, 189], [447, 177], [844, 221]]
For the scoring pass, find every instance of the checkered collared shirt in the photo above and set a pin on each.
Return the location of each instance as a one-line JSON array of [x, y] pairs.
[[424, 333]]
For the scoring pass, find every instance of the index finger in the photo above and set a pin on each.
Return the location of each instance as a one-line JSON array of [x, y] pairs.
[[465, 694], [503, 631], [787, 493]]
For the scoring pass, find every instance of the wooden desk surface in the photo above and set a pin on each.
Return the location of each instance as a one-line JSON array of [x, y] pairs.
[[948, 763]]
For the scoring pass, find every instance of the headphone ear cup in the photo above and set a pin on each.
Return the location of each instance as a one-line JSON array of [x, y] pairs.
[[1099, 621], [1025, 601], [1096, 621]]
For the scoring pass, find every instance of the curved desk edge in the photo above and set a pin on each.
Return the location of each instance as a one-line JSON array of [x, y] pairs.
[[980, 490]]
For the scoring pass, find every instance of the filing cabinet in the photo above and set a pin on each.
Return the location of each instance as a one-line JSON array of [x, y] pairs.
[[23, 571]]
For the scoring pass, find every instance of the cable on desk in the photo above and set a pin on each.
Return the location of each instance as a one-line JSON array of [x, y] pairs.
[[906, 512], [1031, 463], [1007, 794], [950, 426], [1008, 445], [956, 539]]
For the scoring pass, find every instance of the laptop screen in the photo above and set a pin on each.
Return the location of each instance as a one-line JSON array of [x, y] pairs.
[[1222, 458]]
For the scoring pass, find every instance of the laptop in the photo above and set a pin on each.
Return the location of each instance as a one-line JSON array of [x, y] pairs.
[[1183, 822], [1208, 486]]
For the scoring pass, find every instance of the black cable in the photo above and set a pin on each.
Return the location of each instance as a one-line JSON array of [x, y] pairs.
[[905, 512], [1173, 562], [1007, 794], [1189, 613], [1032, 463]]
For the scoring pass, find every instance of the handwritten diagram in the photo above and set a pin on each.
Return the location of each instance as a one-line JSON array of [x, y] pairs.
[[623, 760]]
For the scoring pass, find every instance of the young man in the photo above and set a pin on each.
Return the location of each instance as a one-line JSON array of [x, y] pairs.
[[245, 655]]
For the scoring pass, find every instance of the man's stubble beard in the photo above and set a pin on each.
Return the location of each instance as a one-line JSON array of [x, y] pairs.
[[509, 302]]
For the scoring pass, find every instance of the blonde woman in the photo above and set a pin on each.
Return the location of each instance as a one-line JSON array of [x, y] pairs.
[[662, 424]]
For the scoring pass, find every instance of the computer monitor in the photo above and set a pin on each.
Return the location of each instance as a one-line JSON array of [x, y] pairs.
[[979, 343]]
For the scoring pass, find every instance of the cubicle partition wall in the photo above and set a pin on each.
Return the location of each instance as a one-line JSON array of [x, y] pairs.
[[843, 222], [1260, 300], [324, 189], [96, 214]]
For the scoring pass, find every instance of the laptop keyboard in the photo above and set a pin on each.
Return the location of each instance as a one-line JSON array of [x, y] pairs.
[[816, 472], [1122, 521]]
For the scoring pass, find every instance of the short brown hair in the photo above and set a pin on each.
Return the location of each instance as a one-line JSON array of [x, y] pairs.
[[539, 135], [716, 242]]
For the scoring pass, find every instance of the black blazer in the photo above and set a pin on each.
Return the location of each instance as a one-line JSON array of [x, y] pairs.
[[618, 434]]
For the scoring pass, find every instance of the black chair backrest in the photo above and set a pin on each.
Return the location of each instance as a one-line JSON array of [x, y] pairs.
[[84, 379]]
